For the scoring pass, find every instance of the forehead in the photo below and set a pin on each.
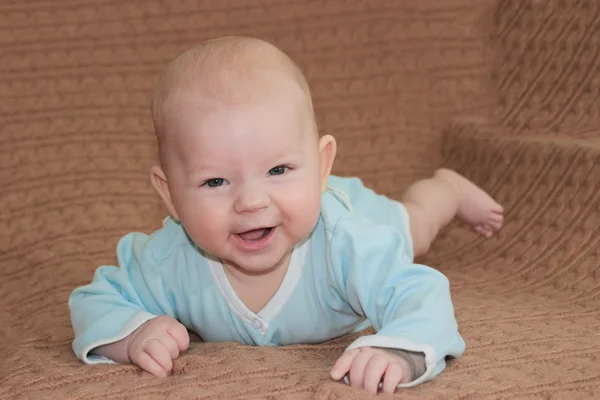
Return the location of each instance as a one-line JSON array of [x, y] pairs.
[[263, 127]]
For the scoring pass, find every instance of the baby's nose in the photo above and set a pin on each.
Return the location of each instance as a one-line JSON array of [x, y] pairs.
[[252, 198]]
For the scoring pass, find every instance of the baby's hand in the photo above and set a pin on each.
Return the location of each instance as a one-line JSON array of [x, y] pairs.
[[368, 366], [155, 344]]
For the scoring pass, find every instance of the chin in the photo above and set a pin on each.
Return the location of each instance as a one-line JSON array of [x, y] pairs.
[[259, 264]]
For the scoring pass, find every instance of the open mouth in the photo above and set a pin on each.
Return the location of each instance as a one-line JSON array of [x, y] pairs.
[[255, 239], [255, 234]]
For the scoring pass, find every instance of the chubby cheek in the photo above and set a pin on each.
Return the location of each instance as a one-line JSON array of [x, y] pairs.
[[302, 213], [204, 220]]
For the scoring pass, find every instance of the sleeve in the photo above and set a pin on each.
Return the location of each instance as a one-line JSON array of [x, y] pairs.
[[375, 207], [118, 300], [408, 304]]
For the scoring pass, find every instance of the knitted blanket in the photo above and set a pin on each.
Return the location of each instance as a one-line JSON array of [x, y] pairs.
[[504, 92]]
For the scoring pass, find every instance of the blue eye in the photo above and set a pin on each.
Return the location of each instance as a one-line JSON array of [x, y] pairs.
[[215, 182], [278, 170]]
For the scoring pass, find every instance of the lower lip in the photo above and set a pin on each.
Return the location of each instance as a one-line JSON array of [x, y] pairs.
[[255, 245]]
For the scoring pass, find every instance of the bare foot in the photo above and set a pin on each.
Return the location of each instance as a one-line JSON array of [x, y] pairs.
[[475, 206]]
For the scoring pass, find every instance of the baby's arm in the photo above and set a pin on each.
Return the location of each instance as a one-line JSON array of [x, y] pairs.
[[408, 304], [125, 303], [116, 351], [415, 360]]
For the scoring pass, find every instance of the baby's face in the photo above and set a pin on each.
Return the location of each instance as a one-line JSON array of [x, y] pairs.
[[245, 180]]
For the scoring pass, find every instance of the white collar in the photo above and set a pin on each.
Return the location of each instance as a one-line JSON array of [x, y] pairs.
[[279, 299]]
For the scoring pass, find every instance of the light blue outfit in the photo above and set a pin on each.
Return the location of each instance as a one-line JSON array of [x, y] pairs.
[[355, 269]]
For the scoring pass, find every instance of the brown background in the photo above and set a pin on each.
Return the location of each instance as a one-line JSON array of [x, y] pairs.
[[506, 92]]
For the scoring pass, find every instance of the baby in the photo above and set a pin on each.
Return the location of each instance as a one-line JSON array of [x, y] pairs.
[[263, 246]]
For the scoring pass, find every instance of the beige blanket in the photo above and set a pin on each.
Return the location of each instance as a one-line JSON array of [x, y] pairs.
[[505, 92]]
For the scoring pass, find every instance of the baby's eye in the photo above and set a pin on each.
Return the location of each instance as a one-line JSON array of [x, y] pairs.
[[278, 170], [215, 182]]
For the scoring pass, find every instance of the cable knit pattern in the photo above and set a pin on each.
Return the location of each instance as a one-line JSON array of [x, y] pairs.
[[505, 92]]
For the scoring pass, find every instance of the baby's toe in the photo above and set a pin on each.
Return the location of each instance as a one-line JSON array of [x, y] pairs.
[[495, 221], [497, 208], [493, 217], [496, 226], [483, 230]]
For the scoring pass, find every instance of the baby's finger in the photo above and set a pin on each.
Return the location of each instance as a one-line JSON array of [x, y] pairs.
[[394, 375], [160, 354], [181, 336], [343, 364], [170, 344], [357, 371], [373, 373], [147, 363]]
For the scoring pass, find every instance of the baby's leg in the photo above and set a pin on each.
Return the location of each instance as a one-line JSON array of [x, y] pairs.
[[432, 203]]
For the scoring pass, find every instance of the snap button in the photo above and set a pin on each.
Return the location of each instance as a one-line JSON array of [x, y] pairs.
[[256, 323]]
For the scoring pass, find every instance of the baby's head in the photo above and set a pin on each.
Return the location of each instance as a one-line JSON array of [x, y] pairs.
[[241, 163]]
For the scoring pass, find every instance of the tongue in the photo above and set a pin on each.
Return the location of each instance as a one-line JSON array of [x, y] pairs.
[[253, 234]]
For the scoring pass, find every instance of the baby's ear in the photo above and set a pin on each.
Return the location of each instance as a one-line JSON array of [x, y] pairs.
[[159, 181], [327, 150]]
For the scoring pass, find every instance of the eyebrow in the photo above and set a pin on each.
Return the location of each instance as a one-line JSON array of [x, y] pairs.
[[196, 169]]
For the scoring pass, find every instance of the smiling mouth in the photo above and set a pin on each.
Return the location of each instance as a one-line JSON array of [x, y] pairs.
[[255, 234]]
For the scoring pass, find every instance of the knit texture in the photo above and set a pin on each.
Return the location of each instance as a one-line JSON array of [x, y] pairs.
[[504, 92]]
